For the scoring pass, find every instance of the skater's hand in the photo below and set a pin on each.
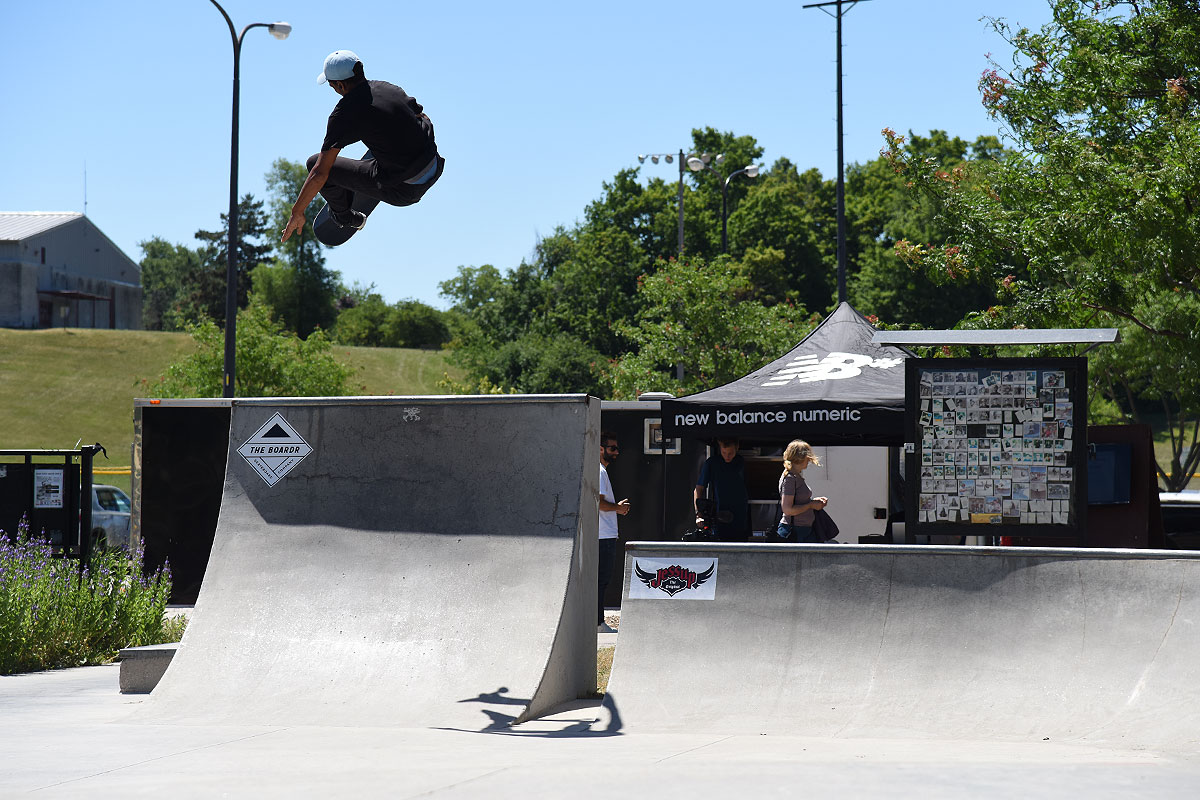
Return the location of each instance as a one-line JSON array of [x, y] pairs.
[[317, 176], [295, 223], [623, 507]]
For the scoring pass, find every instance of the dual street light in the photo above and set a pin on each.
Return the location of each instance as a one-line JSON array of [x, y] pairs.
[[696, 162], [670, 157], [700, 162], [279, 30]]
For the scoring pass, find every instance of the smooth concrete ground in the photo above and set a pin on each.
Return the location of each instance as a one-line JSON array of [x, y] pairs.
[[69, 734]]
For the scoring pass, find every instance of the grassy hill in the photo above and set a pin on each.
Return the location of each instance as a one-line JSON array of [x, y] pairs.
[[61, 386]]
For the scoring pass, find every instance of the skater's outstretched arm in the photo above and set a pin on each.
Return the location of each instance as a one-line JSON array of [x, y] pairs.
[[312, 184]]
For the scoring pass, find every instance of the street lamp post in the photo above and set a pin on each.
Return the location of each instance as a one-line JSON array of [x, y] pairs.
[[669, 157], [279, 30], [697, 163]]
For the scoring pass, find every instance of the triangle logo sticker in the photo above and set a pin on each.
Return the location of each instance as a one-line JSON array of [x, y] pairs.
[[274, 449]]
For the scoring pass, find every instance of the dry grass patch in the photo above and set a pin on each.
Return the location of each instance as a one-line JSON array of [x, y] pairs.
[[604, 662]]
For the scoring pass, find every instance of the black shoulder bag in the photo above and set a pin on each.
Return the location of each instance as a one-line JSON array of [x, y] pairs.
[[824, 528]]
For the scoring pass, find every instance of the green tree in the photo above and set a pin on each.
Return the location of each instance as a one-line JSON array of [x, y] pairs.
[[271, 362], [582, 281], [362, 321], [696, 319], [166, 269], [367, 320], [537, 364], [881, 211], [412, 323], [648, 214], [785, 233], [205, 288], [593, 287], [548, 324], [474, 288], [703, 205], [577, 283], [1147, 370], [296, 285], [1091, 217]]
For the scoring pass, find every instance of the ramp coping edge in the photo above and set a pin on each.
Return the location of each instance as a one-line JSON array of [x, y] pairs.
[[914, 549]]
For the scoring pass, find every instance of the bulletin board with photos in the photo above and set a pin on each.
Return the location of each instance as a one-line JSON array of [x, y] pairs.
[[996, 447]]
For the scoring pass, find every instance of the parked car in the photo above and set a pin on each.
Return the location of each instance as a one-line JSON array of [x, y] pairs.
[[110, 517], [1181, 519]]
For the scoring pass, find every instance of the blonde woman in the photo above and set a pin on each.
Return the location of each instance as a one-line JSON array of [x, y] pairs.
[[794, 495]]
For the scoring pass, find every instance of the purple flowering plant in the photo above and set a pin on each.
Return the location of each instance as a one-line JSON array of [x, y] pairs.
[[55, 615]]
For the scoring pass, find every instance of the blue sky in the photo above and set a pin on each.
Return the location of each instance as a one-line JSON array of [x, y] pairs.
[[535, 103]]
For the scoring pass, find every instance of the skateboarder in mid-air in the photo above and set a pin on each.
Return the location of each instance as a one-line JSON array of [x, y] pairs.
[[402, 160]]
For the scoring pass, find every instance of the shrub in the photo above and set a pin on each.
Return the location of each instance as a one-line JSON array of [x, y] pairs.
[[271, 362], [55, 615]]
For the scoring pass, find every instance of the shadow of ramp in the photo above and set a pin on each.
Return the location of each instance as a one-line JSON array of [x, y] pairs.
[[424, 547]]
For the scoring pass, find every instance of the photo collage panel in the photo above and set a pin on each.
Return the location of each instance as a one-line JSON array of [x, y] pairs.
[[996, 447]]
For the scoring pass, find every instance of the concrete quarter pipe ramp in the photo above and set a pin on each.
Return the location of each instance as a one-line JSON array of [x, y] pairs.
[[1013, 644], [396, 562]]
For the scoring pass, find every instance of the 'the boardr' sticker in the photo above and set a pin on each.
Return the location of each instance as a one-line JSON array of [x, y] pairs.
[[674, 579], [274, 449]]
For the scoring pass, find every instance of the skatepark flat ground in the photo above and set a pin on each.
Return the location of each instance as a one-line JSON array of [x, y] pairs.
[[65, 734]]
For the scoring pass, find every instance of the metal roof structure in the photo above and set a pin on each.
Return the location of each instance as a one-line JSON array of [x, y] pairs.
[[1019, 336], [18, 225]]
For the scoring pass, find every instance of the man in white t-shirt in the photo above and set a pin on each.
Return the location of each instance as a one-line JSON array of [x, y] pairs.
[[609, 509]]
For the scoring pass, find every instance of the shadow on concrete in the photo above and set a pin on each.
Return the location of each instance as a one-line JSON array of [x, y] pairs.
[[578, 719]]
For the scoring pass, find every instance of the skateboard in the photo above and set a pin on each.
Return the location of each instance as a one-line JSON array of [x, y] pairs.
[[328, 232]]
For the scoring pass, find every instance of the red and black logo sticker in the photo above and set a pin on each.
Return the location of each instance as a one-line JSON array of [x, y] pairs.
[[673, 579]]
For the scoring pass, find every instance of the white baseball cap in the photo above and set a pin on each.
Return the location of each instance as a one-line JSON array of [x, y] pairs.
[[339, 66]]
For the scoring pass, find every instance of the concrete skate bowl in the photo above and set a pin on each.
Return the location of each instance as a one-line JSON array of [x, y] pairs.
[[987, 644], [426, 564]]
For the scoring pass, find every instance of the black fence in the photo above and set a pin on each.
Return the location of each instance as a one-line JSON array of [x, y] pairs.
[[52, 489]]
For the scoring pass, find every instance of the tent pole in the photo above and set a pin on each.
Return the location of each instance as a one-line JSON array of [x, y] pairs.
[[662, 446]]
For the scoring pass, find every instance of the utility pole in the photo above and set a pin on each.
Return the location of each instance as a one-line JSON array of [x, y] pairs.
[[680, 204], [841, 7]]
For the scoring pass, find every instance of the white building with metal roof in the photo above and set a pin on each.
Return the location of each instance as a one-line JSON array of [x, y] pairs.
[[60, 270]]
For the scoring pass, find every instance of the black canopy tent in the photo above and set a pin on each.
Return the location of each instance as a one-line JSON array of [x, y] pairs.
[[834, 388]]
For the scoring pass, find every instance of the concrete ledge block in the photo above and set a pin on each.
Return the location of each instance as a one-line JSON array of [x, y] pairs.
[[143, 667]]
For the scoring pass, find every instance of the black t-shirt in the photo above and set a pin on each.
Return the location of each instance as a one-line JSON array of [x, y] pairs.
[[390, 123], [728, 479]]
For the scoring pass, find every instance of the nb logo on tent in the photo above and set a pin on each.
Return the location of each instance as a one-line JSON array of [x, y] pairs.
[[835, 366]]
